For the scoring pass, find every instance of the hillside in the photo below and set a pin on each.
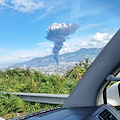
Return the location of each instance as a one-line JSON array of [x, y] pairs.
[[77, 56], [32, 81]]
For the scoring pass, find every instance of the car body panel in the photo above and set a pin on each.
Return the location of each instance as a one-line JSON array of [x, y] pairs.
[[89, 90]]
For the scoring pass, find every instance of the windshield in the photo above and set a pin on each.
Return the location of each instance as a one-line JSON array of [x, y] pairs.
[[47, 46]]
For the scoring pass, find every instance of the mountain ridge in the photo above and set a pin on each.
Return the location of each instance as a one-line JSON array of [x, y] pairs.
[[76, 56]]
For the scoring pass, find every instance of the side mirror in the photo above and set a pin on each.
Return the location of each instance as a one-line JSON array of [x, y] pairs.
[[113, 94]]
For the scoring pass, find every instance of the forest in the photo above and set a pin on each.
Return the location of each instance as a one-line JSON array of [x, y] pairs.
[[33, 81]]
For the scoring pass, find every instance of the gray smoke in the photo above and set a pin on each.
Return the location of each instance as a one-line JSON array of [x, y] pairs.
[[57, 32]]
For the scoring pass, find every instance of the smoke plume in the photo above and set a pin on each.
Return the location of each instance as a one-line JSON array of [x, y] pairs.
[[57, 32]]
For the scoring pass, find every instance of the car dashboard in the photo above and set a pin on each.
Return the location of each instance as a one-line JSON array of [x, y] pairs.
[[103, 112]]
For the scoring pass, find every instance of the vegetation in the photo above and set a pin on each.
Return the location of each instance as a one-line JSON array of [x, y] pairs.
[[32, 81], [12, 106]]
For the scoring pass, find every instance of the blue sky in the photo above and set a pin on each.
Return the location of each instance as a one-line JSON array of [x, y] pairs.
[[23, 25]]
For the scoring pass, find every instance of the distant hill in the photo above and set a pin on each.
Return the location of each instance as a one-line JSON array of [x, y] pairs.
[[77, 56]]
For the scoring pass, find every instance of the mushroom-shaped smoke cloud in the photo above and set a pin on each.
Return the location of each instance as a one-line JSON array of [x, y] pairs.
[[57, 32]]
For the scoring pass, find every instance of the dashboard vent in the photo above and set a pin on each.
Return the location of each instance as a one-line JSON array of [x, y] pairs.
[[106, 115]]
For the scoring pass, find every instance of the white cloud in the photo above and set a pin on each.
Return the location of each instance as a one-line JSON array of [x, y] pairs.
[[9, 56], [22, 5], [71, 47], [93, 44], [3, 5], [81, 44], [25, 56], [67, 47], [100, 36], [2, 2], [26, 5], [22, 55], [100, 39]]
